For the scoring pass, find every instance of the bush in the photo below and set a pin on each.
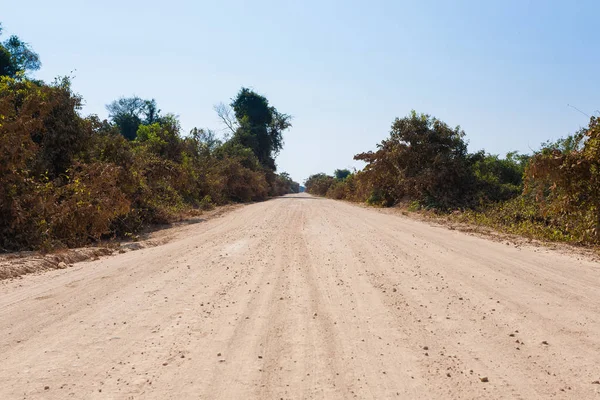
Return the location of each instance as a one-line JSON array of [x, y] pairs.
[[423, 159], [85, 206], [66, 180], [554, 194], [319, 184], [564, 180]]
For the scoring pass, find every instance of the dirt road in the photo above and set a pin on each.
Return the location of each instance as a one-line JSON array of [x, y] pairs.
[[306, 298]]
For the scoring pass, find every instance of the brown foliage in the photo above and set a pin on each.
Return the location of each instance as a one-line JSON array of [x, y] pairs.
[[67, 180], [564, 178]]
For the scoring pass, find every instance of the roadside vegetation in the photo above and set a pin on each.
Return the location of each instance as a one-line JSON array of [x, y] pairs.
[[553, 194], [68, 180]]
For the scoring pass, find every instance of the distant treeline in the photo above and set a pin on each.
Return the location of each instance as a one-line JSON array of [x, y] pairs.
[[424, 164], [68, 180]]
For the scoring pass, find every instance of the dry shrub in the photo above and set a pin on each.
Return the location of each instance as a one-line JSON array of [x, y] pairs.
[[564, 178], [66, 180], [86, 205]]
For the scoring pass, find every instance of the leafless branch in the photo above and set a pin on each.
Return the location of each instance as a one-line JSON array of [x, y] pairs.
[[575, 108], [226, 114]]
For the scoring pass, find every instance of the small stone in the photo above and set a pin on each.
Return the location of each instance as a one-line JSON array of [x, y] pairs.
[[61, 265], [425, 348], [46, 387], [165, 364], [545, 342], [484, 379], [218, 354]]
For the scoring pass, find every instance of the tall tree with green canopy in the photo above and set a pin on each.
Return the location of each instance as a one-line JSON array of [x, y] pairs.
[[5, 61], [17, 57], [260, 127], [341, 174], [128, 113]]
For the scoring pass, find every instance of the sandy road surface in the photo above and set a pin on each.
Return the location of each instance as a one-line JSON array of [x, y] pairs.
[[305, 298]]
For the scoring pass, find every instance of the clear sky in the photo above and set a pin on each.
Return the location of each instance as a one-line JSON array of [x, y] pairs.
[[503, 70]]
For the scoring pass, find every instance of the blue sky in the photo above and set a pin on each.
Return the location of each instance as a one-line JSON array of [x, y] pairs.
[[505, 70]]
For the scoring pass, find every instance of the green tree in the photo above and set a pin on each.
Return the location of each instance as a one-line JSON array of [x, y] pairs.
[[260, 126], [163, 138], [499, 179], [17, 57], [128, 113], [341, 174], [6, 67], [425, 160]]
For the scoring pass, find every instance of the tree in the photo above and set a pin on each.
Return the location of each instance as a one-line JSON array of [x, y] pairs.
[[564, 178], [499, 179], [341, 174], [206, 139], [163, 138], [319, 184], [6, 67], [287, 184], [128, 113], [260, 126], [423, 159], [17, 57], [227, 117]]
